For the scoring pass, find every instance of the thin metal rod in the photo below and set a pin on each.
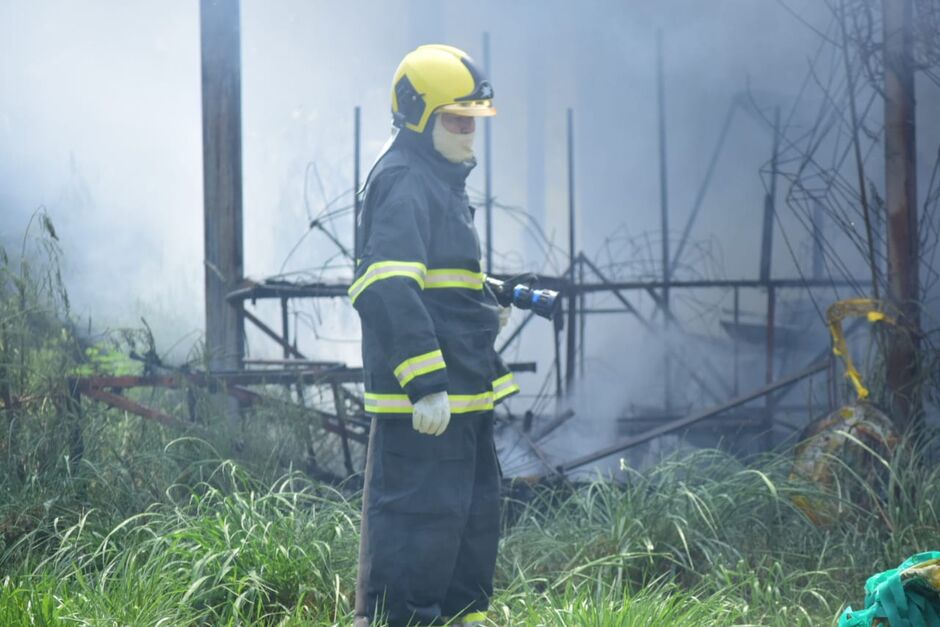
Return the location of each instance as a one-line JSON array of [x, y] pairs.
[[700, 196], [769, 399], [742, 283], [357, 202], [649, 327], [581, 318], [663, 173], [572, 298], [550, 428], [536, 449], [818, 234], [856, 147], [736, 340], [556, 330], [664, 219], [488, 163], [271, 333], [285, 328], [681, 423], [767, 241], [771, 324], [128, 405], [516, 333]]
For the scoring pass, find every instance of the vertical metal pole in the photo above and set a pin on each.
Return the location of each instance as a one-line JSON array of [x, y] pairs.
[[572, 298], [536, 87], [818, 234], [285, 328], [664, 218], [901, 203], [766, 251], [581, 317], [357, 206], [222, 180], [556, 331], [488, 164], [771, 323], [765, 270], [737, 330]]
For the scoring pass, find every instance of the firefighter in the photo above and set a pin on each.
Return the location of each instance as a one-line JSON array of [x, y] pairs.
[[430, 514]]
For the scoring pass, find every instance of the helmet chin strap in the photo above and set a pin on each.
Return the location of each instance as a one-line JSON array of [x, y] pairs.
[[455, 147]]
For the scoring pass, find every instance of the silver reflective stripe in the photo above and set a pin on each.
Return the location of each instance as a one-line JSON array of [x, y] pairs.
[[504, 386], [399, 403], [387, 403], [460, 403], [417, 366], [454, 277], [385, 270]]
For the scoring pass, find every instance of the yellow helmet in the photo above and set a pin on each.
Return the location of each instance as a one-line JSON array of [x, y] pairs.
[[435, 78]]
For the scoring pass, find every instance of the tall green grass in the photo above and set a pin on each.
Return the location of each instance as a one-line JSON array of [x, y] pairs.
[[63, 461], [106, 519], [698, 540], [212, 555]]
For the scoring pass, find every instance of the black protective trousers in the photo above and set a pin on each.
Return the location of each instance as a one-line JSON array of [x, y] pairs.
[[430, 521]]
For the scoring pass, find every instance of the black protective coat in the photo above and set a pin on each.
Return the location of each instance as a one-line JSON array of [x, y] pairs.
[[416, 211]]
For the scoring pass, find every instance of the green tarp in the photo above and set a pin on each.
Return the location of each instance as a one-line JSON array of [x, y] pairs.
[[906, 596]]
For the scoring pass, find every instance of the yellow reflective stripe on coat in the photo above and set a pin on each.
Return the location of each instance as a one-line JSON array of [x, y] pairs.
[[387, 403], [417, 366], [386, 270], [464, 403], [399, 403], [504, 386], [454, 277]]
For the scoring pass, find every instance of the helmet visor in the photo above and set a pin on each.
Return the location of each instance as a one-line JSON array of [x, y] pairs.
[[471, 108]]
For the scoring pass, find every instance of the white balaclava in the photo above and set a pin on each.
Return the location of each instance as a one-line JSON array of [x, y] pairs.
[[455, 147]]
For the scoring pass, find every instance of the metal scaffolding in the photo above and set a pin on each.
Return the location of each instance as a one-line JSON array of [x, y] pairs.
[[583, 278]]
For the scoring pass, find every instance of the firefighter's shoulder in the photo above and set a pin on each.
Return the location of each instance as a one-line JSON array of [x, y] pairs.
[[396, 180]]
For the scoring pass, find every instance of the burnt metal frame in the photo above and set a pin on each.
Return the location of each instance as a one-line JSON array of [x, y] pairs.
[[110, 389], [575, 289]]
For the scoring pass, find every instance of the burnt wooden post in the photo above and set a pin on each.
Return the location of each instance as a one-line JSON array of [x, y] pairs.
[[222, 180], [901, 203]]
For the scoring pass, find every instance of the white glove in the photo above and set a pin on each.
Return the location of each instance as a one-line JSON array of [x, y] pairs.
[[504, 313], [431, 414]]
